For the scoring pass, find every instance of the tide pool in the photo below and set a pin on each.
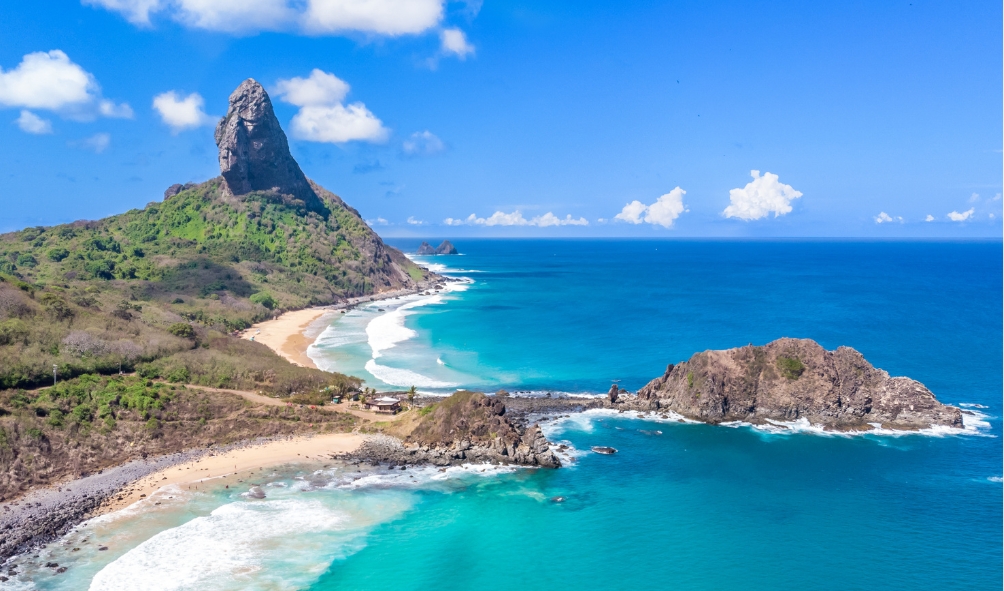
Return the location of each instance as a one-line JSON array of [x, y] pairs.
[[688, 506]]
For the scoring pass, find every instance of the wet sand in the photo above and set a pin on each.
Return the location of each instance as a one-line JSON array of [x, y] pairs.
[[236, 464]]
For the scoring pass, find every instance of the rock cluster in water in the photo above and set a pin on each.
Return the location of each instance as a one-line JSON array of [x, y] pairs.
[[792, 379], [446, 247], [254, 153]]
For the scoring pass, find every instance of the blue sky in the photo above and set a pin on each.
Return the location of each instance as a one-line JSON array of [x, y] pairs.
[[569, 118]]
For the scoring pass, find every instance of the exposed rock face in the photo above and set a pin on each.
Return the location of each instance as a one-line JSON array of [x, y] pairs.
[[426, 249], [467, 427], [791, 379], [254, 153], [446, 248]]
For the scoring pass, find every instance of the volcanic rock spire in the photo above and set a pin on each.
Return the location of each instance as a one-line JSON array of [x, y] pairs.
[[254, 153]]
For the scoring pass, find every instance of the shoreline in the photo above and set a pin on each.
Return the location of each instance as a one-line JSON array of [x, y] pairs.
[[288, 333], [44, 515]]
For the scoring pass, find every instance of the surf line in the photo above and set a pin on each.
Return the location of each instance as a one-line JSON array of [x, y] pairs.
[[388, 330]]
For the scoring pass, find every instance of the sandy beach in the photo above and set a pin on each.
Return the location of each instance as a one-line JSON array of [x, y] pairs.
[[289, 335], [285, 334], [236, 467]]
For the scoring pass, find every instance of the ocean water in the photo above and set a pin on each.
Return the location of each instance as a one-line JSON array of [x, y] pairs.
[[682, 505]]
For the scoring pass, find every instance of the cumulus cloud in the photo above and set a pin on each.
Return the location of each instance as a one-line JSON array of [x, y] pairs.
[[415, 222], [50, 81], [929, 218], [883, 218], [181, 113], [663, 212], [315, 17], [454, 42], [961, 217], [500, 218], [761, 197], [423, 143], [322, 116], [377, 222], [974, 197], [32, 123]]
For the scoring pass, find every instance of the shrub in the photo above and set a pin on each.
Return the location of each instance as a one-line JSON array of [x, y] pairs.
[[265, 299], [790, 367], [182, 329], [26, 260], [57, 254], [179, 374]]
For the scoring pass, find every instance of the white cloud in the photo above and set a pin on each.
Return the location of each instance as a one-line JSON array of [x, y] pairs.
[[320, 88], [97, 143], [997, 197], [961, 217], [338, 124], [883, 218], [759, 198], [414, 222], [322, 116], [317, 17], [384, 17], [377, 222], [549, 219], [135, 11], [49, 80], [32, 123], [181, 113], [974, 197], [929, 218], [663, 212], [454, 42], [500, 218], [423, 143]]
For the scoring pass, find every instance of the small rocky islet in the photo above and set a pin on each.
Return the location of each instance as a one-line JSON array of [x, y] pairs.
[[446, 247]]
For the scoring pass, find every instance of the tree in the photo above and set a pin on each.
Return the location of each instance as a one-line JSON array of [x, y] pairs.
[[411, 394]]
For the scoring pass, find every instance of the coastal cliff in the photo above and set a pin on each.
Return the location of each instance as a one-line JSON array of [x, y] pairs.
[[791, 379]]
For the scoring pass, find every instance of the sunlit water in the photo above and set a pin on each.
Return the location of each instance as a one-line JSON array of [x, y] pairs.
[[680, 505]]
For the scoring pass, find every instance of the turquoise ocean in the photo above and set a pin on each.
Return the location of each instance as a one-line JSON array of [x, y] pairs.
[[681, 506]]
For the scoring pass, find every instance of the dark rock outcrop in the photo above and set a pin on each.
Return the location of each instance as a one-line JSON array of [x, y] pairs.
[[177, 188], [467, 427], [791, 379], [254, 153], [446, 248]]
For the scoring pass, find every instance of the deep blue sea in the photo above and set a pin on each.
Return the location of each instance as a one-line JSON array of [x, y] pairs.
[[684, 506]]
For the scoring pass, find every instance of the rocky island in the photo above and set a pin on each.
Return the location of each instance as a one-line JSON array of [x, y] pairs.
[[792, 379], [446, 247]]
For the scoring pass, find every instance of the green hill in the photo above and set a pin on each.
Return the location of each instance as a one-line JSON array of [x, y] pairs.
[[161, 289]]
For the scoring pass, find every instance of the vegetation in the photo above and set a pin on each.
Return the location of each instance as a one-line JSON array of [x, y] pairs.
[[791, 367], [92, 422], [161, 287]]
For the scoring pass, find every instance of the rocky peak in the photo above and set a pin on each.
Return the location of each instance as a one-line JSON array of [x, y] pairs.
[[446, 248], [254, 153]]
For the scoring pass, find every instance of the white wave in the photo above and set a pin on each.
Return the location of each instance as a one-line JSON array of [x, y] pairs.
[[386, 331], [272, 544], [403, 377], [995, 479], [424, 477], [971, 405], [440, 361], [974, 423]]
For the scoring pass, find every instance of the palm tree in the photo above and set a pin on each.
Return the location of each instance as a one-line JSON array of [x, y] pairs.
[[411, 394]]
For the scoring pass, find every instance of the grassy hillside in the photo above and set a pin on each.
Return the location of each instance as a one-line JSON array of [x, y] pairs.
[[161, 288], [93, 422]]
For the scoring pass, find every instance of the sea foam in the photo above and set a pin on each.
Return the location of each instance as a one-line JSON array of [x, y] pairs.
[[269, 544]]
